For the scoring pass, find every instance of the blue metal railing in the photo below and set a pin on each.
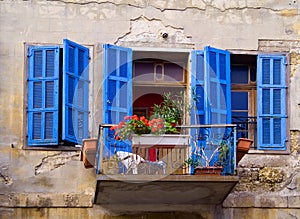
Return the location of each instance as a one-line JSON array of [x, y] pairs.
[[207, 145]]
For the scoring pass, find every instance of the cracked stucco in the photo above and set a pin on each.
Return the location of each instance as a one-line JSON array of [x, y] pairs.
[[145, 30], [5, 179], [55, 161], [220, 5]]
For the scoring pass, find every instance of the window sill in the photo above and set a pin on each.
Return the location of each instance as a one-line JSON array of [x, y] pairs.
[[53, 148], [254, 151]]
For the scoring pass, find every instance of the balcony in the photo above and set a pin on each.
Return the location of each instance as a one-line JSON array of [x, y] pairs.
[[164, 171]]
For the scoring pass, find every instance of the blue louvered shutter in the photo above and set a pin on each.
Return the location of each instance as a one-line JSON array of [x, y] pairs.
[[271, 102], [210, 82], [75, 92], [198, 88], [217, 81], [43, 85], [117, 83], [117, 101]]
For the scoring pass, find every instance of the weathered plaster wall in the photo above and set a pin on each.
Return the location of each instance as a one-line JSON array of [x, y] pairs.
[[58, 179]]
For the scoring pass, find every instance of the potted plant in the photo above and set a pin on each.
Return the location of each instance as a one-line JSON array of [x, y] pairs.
[[157, 133], [203, 163], [163, 121]]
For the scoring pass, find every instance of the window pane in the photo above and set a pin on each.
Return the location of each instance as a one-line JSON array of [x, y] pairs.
[[144, 71], [253, 74], [174, 71], [239, 100], [239, 74]]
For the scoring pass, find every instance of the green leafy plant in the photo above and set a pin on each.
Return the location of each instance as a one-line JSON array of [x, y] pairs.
[[200, 158], [171, 110], [164, 119]]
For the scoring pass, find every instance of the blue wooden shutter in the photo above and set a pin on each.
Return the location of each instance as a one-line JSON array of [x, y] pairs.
[[198, 88], [117, 83], [271, 102], [75, 92], [210, 82], [117, 102], [43, 84], [217, 81]]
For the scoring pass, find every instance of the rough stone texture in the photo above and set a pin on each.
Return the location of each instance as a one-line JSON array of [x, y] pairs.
[[269, 184]]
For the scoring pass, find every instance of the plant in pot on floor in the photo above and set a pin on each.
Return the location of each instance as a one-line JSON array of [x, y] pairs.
[[209, 158]]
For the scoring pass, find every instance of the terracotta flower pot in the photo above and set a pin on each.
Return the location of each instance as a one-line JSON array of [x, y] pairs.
[[211, 170], [243, 146]]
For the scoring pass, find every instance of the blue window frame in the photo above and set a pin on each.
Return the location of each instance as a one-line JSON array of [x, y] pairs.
[[271, 99], [57, 100], [43, 83]]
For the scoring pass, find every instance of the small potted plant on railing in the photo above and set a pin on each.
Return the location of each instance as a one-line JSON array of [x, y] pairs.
[[163, 121]]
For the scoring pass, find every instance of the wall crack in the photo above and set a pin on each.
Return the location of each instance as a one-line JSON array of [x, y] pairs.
[[55, 161]]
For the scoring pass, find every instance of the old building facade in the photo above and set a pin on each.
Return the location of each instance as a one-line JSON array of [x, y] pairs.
[[46, 179]]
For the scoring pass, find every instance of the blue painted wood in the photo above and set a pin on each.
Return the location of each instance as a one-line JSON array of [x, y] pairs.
[[211, 81], [43, 89], [75, 92], [271, 93], [117, 68], [198, 97], [217, 80], [117, 94]]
